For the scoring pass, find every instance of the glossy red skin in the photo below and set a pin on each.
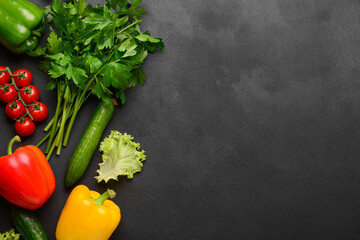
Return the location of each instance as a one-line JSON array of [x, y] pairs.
[[25, 128], [23, 82], [26, 178], [16, 112], [8, 96], [31, 97], [4, 76], [40, 114]]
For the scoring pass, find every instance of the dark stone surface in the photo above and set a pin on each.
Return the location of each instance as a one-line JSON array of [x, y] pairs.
[[250, 121]]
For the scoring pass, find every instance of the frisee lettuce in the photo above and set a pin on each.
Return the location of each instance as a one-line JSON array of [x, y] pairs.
[[10, 235], [121, 157]]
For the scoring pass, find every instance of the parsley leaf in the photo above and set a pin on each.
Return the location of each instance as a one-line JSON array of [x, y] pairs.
[[92, 64], [80, 6], [78, 75], [116, 75], [53, 43]]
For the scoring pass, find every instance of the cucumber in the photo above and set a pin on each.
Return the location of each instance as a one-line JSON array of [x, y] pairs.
[[88, 142], [28, 225]]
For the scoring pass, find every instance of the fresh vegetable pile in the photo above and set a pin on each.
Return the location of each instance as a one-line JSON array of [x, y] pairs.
[[94, 51], [21, 100]]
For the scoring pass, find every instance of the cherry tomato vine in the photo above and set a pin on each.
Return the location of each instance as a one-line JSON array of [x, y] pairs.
[[22, 100]]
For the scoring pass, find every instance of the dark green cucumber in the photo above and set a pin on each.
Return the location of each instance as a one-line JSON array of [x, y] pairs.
[[28, 225], [88, 143]]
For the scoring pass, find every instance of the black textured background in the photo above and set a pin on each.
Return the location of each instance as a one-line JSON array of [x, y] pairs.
[[250, 121]]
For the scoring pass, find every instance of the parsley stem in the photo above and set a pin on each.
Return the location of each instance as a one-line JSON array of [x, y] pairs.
[[43, 140], [79, 100], [77, 106], [48, 135], [130, 25], [48, 126], [68, 130], [50, 151], [60, 135], [57, 127], [53, 128]]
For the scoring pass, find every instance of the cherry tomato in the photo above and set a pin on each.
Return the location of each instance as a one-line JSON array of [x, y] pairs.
[[29, 94], [24, 127], [38, 111], [24, 79], [15, 109], [7, 93], [4, 76]]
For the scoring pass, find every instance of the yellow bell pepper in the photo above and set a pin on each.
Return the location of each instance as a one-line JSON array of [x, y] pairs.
[[88, 216]]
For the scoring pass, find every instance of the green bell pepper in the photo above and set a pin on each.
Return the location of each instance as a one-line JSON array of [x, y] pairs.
[[21, 25]]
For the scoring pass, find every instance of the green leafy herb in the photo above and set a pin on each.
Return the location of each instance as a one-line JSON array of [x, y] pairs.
[[121, 156], [96, 50], [10, 235]]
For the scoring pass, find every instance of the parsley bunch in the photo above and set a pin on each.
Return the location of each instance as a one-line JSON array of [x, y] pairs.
[[96, 50]]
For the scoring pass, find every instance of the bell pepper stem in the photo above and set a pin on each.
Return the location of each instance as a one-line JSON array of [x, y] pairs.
[[14, 139], [36, 33], [100, 200]]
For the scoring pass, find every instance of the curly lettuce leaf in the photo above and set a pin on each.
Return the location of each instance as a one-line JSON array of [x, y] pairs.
[[10, 235], [121, 157]]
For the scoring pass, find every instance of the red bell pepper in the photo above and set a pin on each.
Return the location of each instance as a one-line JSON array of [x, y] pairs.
[[26, 178]]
